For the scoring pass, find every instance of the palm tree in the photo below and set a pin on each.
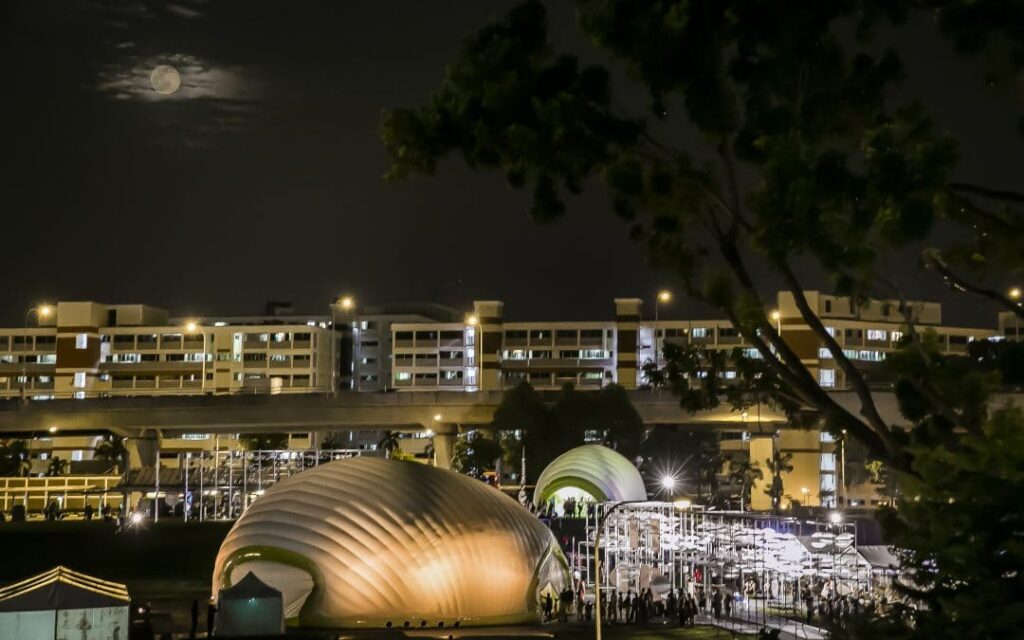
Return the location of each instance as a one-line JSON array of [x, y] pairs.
[[389, 443], [14, 458], [57, 467], [778, 464], [745, 474], [112, 449]]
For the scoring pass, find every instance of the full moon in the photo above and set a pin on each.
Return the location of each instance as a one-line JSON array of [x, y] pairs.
[[165, 79]]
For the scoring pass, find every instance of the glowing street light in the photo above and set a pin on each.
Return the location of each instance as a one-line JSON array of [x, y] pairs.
[[664, 297], [472, 320], [668, 483], [835, 517], [437, 417], [191, 326], [346, 302], [45, 311], [1014, 293], [53, 429]]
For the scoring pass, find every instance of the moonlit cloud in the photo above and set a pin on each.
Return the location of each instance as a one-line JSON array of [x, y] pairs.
[[198, 80]]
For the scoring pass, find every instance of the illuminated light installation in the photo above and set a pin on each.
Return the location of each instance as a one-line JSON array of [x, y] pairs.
[[597, 471], [365, 542]]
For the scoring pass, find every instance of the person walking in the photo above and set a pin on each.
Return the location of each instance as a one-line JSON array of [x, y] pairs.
[[211, 613], [549, 606], [716, 603], [728, 605], [194, 629]]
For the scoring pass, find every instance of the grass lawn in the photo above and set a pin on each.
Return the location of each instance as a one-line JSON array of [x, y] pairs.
[[167, 551], [626, 632]]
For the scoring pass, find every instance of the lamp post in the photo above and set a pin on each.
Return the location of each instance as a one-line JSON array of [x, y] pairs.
[[191, 327], [41, 311], [663, 297], [597, 562], [347, 303], [1014, 295]]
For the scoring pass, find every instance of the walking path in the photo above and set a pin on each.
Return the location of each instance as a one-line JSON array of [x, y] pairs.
[[750, 619]]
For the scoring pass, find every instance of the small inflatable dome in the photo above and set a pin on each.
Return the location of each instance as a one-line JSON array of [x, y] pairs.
[[365, 542], [591, 473]]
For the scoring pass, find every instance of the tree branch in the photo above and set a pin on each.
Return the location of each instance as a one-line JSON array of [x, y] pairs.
[[933, 260], [853, 376], [985, 192]]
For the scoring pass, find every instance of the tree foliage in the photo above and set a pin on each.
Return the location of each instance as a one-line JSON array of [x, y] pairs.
[[14, 458], [806, 153], [839, 172], [263, 441], [573, 418]]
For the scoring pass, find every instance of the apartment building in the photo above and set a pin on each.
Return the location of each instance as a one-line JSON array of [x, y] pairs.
[[89, 349], [484, 352], [372, 340]]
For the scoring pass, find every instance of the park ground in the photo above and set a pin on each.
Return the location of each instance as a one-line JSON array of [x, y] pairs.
[[170, 564]]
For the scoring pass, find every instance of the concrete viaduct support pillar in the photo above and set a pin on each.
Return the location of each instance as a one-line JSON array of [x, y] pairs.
[[143, 449], [443, 444]]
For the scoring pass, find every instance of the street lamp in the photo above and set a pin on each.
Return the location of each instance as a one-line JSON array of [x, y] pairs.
[[597, 563], [191, 327], [668, 483], [664, 297], [835, 518], [347, 303], [1015, 294], [472, 320]]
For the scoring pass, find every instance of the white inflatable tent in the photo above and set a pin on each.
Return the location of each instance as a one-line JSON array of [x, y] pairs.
[[250, 608], [368, 542], [62, 603], [603, 474]]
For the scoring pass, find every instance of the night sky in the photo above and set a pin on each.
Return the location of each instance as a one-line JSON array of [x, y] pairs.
[[260, 179]]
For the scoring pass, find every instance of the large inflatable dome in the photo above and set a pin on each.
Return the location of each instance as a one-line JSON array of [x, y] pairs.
[[365, 542], [590, 473]]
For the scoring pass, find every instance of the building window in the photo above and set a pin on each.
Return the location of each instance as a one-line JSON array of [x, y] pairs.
[[828, 462], [82, 341], [76, 455], [403, 375], [828, 306], [824, 352], [827, 378], [79, 382], [877, 334], [700, 332], [897, 336]]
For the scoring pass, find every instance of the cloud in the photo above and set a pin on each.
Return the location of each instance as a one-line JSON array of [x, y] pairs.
[[199, 79]]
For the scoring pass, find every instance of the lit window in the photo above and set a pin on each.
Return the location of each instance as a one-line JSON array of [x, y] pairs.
[[79, 395], [471, 376], [403, 375], [877, 334], [831, 331], [827, 437], [827, 378], [82, 341], [48, 358], [828, 482], [824, 352], [76, 455], [700, 332], [897, 336], [79, 379], [828, 462], [592, 354], [729, 375], [752, 353]]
